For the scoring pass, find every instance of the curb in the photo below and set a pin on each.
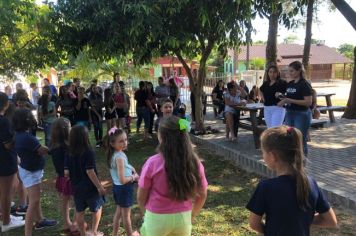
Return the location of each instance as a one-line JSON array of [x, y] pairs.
[[335, 196]]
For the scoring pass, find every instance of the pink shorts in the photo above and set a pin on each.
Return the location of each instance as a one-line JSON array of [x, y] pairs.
[[64, 186]]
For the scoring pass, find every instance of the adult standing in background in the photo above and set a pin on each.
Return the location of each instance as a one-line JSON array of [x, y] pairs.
[[8, 92], [152, 106], [18, 87], [162, 92], [117, 79], [66, 104], [244, 86], [174, 95], [53, 88], [142, 108], [218, 97], [298, 101], [76, 82], [96, 101], [270, 90]]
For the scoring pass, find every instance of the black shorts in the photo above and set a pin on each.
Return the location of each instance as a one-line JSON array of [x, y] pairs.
[[123, 195], [110, 116], [94, 203], [120, 113]]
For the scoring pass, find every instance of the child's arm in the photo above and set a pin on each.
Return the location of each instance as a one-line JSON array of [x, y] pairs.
[[256, 223], [325, 220], [199, 203], [94, 179], [142, 196], [42, 150], [121, 170]]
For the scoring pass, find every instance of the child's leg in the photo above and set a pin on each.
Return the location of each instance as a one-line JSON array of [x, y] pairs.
[[32, 214], [126, 216], [116, 222], [65, 211], [6, 184], [21, 191], [96, 216], [81, 222]]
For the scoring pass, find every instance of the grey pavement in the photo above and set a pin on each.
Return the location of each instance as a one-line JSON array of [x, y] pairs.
[[332, 158]]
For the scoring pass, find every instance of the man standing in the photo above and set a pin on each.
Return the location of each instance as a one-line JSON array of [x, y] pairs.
[[162, 92]]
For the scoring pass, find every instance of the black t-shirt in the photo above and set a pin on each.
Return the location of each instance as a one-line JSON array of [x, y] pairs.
[[219, 93], [58, 155], [83, 113], [277, 199], [8, 157], [298, 91], [77, 166], [269, 92], [141, 97]]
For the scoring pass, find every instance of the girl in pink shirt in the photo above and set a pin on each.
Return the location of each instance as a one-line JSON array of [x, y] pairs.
[[170, 182]]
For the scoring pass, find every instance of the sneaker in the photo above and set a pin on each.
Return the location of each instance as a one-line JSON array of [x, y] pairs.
[[45, 223], [12, 225], [13, 209], [21, 210], [98, 145], [16, 218]]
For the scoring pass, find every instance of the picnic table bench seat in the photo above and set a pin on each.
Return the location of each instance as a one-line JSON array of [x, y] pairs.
[[331, 108]]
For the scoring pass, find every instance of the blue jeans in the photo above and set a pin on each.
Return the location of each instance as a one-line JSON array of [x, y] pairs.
[[300, 120], [47, 132], [143, 113]]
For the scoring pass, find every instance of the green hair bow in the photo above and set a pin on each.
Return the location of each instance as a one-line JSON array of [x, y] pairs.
[[183, 124]]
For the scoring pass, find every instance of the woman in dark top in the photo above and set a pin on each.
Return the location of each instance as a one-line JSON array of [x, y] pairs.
[[121, 104], [152, 105], [218, 96], [110, 109], [66, 104], [273, 87], [174, 95], [142, 108], [298, 101], [82, 114], [96, 101]]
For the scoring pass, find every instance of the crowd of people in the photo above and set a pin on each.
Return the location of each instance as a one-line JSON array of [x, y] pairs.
[[172, 187]]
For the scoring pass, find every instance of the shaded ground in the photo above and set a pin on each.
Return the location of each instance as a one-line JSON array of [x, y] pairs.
[[224, 212]]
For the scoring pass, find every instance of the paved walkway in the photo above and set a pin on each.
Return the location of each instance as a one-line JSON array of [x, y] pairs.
[[332, 156]]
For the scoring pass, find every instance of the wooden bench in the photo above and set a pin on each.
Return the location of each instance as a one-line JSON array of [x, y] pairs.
[[330, 110], [318, 123]]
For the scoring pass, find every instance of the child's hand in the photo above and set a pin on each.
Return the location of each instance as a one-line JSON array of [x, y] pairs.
[[102, 190], [135, 177]]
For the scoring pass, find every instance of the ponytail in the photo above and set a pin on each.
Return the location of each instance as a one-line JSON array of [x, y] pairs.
[[303, 187], [286, 143]]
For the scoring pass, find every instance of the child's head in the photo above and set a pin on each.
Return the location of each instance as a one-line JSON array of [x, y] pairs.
[[4, 102], [116, 140], [81, 91], [181, 162], [33, 86], [60, 132], [23, 119], [167, 107], [182, 111], [283, 147], [78, 140]]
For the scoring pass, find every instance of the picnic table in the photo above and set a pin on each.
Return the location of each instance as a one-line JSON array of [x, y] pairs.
[[329, 107]]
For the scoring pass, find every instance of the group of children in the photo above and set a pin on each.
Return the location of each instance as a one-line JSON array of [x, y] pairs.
[[172, 187]]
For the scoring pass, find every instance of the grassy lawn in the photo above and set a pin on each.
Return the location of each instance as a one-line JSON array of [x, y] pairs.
[[223, 214]]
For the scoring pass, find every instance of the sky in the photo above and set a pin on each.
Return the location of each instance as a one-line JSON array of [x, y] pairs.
[[332, 27]]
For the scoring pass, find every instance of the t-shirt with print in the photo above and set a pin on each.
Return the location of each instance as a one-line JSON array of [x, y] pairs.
[[277, 199], [298, 91], [77, 166], [49, 117], [83, 113], [113, 167], [27, 147], [8, 157], [269, 92], [154, 178]]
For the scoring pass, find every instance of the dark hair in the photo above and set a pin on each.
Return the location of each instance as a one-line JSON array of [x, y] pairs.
[[268, 79], [46, 79], [181, 162], [141, 84], [76, 80], [107, 96], [60, 133], [160, 78], [297, 65], [32, 85], [79, 140], [23, 119], [4, 100], [151, 90], [230, 85], [44, 103], [108, 140], [21, 95], [286, 143]]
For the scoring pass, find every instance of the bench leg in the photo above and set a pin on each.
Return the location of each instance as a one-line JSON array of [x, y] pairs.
[[256, 133], [331, 116]]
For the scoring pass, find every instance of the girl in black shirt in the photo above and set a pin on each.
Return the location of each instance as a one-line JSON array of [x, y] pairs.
[[270, 90], [218, 96], [298, 101]]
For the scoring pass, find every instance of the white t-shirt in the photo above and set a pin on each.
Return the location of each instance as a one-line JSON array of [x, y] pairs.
[[234, 99]]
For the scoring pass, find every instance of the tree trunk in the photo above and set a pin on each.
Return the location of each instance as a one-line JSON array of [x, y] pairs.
[[346, 11], [308, 37], [350, 112], [271, 47]]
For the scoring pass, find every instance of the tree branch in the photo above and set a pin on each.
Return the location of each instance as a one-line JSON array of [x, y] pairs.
[[185, 65], [346, 11]]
